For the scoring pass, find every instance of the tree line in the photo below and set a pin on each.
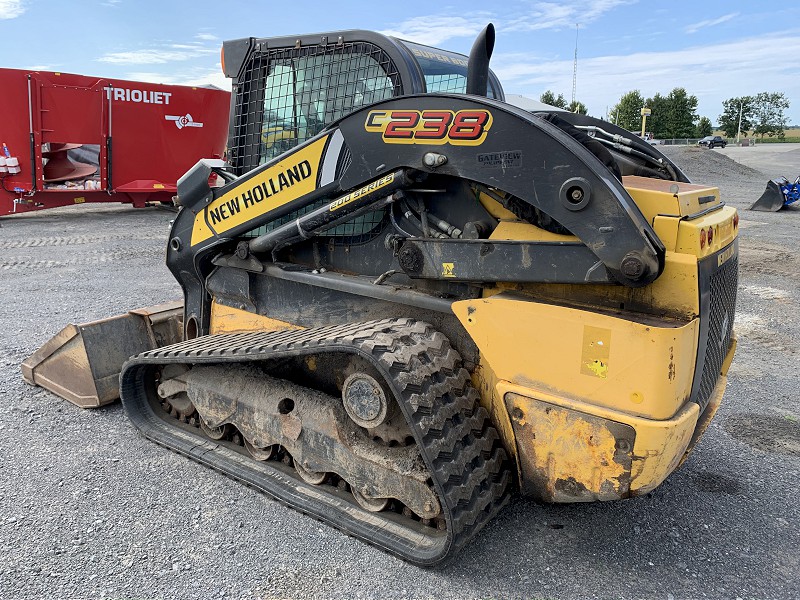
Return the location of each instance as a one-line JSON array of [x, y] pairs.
[[675, 115]]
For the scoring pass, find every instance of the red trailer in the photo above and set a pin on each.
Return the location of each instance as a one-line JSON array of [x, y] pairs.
[[68, 139]]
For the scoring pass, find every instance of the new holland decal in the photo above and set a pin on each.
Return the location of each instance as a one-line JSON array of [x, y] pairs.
[[287, 180], [430, 127]]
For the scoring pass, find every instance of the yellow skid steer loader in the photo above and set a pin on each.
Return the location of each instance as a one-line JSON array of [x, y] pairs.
[[410, 298]]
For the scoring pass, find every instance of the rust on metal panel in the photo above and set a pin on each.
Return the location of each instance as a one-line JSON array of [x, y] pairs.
[[570, 456]]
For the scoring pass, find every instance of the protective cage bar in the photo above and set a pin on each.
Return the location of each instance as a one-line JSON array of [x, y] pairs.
[[286, 96]]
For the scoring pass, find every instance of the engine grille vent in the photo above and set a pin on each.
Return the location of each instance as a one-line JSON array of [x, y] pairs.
[[723, 307]]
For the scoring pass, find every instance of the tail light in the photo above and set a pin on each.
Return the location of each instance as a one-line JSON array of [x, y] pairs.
[[710, 235], [702, 238]]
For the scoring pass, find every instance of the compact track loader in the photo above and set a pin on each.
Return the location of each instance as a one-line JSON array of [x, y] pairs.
[[405, 301]]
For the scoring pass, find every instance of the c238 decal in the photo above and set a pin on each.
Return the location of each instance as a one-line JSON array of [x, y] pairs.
[[430, 127]]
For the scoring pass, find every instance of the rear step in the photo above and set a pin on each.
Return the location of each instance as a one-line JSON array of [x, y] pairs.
[[81, 363]]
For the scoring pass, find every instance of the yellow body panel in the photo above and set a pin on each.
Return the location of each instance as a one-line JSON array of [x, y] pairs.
[[225, 319], [486, 382], [645, 368], [672, 198], [494, 208], [721, 222], [674, 294], [589, 385]]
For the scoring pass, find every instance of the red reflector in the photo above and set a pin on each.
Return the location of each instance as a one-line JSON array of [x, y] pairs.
[[702, 238], [735, 220], [710, 235]]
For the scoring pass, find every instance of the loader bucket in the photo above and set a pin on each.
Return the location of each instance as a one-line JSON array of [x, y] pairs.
[[772, 200], [82, 363]]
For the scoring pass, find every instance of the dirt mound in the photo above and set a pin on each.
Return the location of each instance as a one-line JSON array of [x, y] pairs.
[[740, 185], [701, 164]]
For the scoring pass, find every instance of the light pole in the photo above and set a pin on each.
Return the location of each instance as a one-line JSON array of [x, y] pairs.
[[739, 128]]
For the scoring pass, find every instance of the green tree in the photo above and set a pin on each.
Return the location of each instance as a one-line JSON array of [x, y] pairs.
[[769, 113], [729, 119], [657, 121], [550, 98], [681, 115], [704, 127], [627, 112], [577, 106]]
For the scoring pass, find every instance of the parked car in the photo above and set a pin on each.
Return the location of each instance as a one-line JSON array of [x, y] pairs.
[[648, 137], [712, 141]]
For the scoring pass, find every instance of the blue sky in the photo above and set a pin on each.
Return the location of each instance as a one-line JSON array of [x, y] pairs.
[[715, 49]]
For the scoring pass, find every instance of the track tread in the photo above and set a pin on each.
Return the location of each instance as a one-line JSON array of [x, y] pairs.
[[460, 446]]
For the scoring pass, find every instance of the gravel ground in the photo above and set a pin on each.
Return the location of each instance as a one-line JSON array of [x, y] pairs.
[[90, 509]]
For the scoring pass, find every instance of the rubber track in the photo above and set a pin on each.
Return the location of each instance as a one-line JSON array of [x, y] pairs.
[[457, 441]]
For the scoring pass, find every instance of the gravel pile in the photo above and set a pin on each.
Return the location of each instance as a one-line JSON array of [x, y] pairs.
[[740, 185], [90, 509], [702, 163]]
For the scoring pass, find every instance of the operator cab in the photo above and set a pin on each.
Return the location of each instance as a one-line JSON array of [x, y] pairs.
[[286, 90]]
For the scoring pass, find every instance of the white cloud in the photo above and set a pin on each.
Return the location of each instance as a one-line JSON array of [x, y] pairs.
[[158, 56], [197, 78], [710, 22], [194, 47], [560, 15], [207, 37], [214, 77], [436, 29], [712, 73], [11, 9]]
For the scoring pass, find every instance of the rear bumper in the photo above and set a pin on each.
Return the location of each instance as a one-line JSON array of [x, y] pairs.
[[573, 451]]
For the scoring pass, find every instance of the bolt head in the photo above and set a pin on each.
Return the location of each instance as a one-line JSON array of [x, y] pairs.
[[632, 267]]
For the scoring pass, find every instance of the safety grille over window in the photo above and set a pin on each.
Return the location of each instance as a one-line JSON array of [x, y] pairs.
[[288, 95]]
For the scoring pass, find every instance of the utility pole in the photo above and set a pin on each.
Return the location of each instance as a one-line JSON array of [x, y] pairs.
[[739, 128], [575, 69]]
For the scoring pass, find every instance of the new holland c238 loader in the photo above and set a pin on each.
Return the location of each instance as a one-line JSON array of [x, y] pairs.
[[409, 299]]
